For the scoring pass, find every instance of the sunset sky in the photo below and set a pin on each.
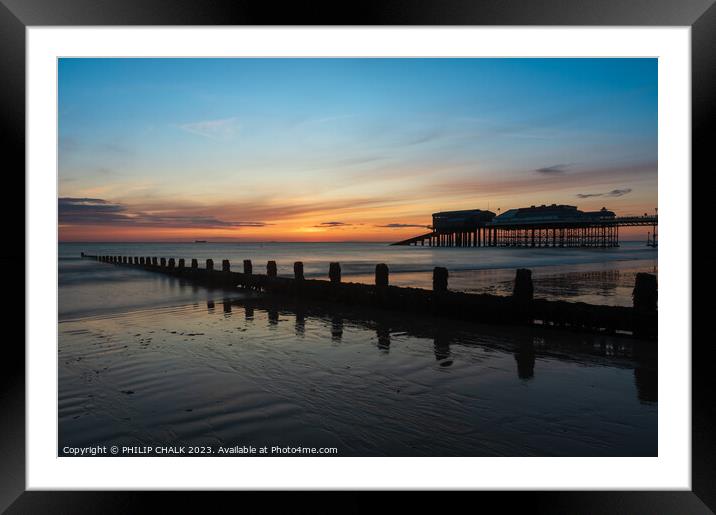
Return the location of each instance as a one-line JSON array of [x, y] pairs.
[[344, 149]]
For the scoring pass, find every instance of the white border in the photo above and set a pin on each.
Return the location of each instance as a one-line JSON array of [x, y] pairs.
[[671, 470]]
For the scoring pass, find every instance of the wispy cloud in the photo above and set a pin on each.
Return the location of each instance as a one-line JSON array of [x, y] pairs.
[[220, 130], [613, 193], [401, 226], [95, 211], [554, 169], [333, 224]]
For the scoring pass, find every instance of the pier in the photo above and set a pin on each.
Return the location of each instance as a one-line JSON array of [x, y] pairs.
[[519, 309], [555, 226]]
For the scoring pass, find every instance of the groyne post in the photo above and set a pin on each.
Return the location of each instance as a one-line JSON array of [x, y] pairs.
[[136, 260], [440, 279], [195, 263], [225, 266], [180, 265], [520, 308], [248, 267], [523, 291], [522, 295], [645, 292], [298, 270], [381, 275], [163, 262], [334, 272]]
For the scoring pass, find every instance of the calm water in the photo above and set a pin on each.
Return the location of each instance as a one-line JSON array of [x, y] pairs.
[[146, 359]]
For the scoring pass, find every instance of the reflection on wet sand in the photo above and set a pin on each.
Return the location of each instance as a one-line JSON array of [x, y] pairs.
[[236, 375], [382, 332], [441, 347], [300, 324], [526, 344]]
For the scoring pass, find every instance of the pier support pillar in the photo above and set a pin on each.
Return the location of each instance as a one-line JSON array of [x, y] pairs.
[[334, 272], [298, 270], [440, 279], [225, 266], [381, 275], [209, 265], [248, 268], [271, 269]]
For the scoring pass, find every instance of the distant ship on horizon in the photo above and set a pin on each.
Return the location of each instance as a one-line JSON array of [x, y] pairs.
[[199, 241]]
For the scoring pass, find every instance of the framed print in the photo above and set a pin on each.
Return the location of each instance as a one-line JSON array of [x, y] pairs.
[[414, 249]]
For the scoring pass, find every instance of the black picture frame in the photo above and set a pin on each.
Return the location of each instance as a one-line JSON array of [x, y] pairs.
[[16, 15]]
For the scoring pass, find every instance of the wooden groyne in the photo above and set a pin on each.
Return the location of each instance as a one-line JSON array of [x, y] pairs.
[[519, 309]]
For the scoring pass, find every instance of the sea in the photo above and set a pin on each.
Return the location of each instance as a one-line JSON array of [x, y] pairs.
[[150, 360]]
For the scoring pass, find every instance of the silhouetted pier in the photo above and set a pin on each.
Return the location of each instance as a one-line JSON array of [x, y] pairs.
[[556, 226], [519, 309]]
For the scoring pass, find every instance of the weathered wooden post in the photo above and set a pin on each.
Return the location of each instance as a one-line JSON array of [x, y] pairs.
[[440, 279], [124, 260], [171, 264], [645, 293], [248, 268], [154, 261], [194, 264], [334, 272], [271, 269], [381, 275], [225, 266], [298, 270], [136, 260], [141, 260], [148, 261], [522, 295], [523, 291], [209, 265], [180, 265], [163, 262]]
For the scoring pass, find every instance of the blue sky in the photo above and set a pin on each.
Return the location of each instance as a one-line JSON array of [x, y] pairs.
[[277, 147]]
